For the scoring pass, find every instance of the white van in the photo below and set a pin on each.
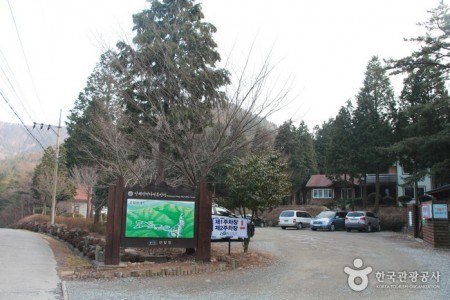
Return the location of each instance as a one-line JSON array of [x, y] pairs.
[[294, 218]]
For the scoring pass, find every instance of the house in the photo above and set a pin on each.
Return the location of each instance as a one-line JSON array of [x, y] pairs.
[[322, 190], [77, 206], [407, 190]]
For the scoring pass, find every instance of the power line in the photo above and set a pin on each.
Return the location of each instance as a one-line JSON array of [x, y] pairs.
[[24, 55], [20, 119], [13, 88]]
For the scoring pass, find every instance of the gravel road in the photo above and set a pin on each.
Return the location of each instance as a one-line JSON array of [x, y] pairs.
[[309, 265]]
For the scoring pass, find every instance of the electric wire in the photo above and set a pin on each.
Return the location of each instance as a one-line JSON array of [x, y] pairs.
[[20, 119], [24, 55], [13, 88], [15, 91]]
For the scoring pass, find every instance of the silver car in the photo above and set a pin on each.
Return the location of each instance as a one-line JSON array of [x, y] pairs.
[[362, 220]]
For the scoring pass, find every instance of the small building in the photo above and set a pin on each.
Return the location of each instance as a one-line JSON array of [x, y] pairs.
[[76, 206], [322, 190], [408, 190]]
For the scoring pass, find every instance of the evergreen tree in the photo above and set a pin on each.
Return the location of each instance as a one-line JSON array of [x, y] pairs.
[[296, 144], [175, 83], [434, 49], [322, 143], [424, 126], [374, 123], [341, 153], [258, 182], [96, 105]]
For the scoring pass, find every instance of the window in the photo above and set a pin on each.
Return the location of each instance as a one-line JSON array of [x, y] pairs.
[[223, 212], [322, 193], [409, 191], [341, 214], [287, 213]]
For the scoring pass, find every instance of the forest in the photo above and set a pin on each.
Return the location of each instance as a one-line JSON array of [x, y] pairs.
[[158, 109]]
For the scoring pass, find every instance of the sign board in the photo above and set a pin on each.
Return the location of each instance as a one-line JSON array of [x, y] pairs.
[[440, 211], [225, 227], [426, 211], [410, 221], [159, 218]]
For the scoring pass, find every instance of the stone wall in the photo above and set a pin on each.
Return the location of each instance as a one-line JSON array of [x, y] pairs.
[[82, 241]]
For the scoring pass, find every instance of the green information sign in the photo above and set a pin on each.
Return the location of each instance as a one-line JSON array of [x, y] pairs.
[[151, 218]]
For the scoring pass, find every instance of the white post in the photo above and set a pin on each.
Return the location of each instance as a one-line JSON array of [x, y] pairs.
[[55, 175]]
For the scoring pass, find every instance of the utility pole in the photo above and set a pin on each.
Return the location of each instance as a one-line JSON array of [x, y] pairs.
[[55, 176], [55, 173]]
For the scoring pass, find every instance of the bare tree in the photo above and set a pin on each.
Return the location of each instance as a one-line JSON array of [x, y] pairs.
[[85, 178], [193, 145], [176, 114]]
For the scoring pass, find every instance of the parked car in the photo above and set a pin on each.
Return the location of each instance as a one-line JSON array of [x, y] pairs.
[[362, 220], [257, 221], [329, 219], [294, 218]]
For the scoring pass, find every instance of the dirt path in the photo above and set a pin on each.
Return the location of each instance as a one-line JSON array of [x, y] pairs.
[[306, 265]]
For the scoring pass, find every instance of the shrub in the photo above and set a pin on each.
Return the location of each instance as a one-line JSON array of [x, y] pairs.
[[358, 201], [70, 215], [425, 198], [330, 205], [404, 199], [98, 228], [392, 218], [389, 201], [392, 223], [371, 197]]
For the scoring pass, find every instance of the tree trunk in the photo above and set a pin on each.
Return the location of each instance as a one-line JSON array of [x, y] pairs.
[[160, 164], [88, 207], [377, 192], [364, 196], [352, 196], [416, 193], [245, 244], [98, 211]]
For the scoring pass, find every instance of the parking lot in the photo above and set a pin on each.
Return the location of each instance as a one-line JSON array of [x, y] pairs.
[[308, 264]]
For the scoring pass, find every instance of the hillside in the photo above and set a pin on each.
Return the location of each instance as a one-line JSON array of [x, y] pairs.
[[15, 140]]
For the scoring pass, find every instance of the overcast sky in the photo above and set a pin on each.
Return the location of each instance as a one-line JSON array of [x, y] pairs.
[[320, 47]]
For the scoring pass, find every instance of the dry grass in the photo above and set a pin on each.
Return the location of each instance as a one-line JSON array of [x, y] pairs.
[[67, 261]]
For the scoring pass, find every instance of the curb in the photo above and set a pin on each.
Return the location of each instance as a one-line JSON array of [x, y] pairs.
[[64, 290]]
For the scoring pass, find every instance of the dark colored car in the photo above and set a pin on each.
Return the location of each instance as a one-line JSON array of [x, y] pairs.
[[329, 219], [257, 221]]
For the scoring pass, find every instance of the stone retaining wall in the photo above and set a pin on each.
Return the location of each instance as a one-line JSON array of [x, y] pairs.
[[81, 240], [93, 247]]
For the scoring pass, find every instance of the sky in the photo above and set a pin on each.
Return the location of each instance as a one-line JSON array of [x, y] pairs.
[[320, 49]]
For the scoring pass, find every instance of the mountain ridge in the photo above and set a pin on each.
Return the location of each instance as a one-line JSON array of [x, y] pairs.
[[16, 140]]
